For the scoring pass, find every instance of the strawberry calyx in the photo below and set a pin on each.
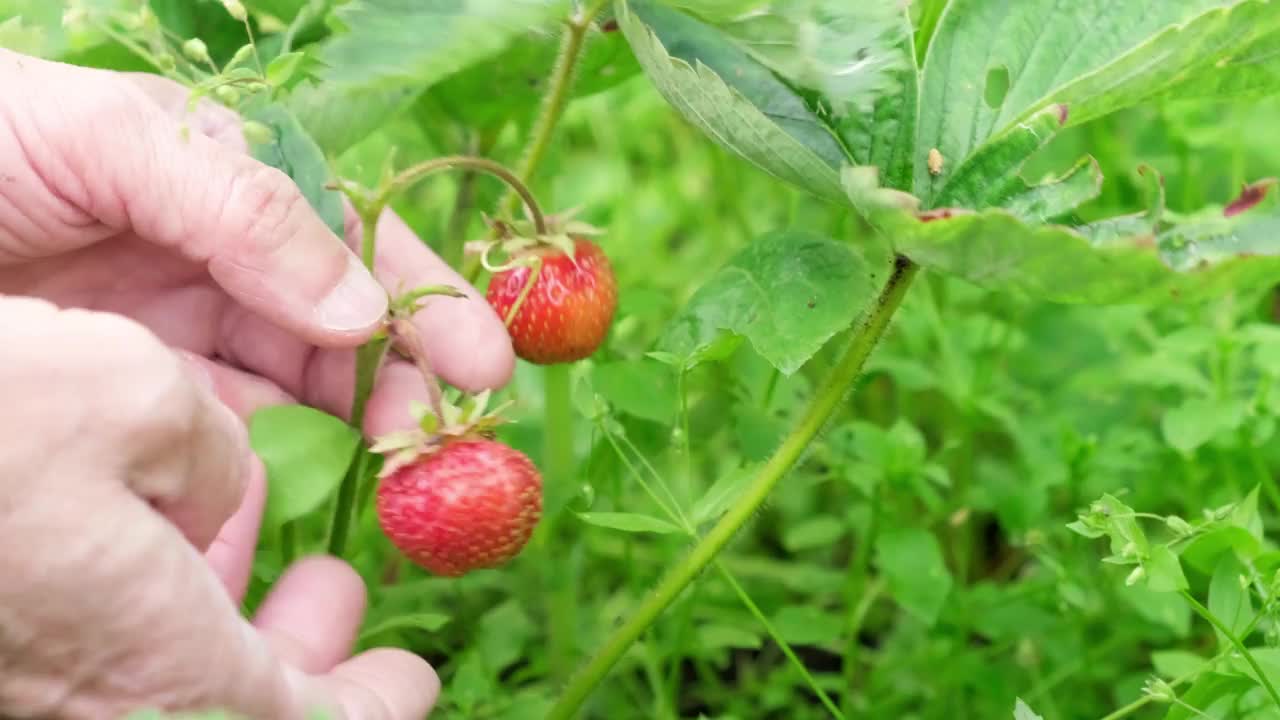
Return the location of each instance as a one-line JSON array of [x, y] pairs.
[[463, 417], [521, 243]]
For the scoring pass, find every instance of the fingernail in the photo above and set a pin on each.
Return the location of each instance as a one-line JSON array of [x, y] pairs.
[[358, 302]]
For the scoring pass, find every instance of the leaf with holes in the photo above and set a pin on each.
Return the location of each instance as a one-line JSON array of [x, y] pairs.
[[1135, 259], [993, 64]]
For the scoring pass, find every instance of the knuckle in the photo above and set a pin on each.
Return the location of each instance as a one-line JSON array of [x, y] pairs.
[[266, 207]]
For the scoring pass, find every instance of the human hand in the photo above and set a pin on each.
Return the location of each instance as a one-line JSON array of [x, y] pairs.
[[103, 205], [121, 582]]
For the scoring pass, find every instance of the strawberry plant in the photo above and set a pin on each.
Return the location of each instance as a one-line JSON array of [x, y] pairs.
[[869, 324]]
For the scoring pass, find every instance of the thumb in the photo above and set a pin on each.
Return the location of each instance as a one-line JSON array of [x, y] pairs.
[[131, 166]]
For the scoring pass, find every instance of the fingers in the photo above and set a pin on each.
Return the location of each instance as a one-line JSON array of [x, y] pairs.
[[311, 616], [249, 223], [321, 378], [168, 438], [244, 393], [385, 684], [465, 340], [231, 553]]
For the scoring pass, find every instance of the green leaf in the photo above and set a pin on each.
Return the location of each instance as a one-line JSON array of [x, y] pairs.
[[806, 625], [1250, 72], [629, 522], [643, 388], [788, 293], [306, 452], [1188, 259], [1164, 571], [428, 622], [1163, 608], [401, 43], [22, 38], [339, 116], [511, 85], [1224, 51], [849, 53], [503, 634], [293, 152], [1023, 711], [1228, 601], [1176, 663], [1199, 420], [918, 579], [717, 637], [884, 138], [1094, 56], [721, 495], [1206, 691], [732, 98], [822, 531], [282, 67]]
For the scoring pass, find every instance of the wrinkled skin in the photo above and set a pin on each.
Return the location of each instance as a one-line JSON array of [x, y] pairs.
[[154, 291]]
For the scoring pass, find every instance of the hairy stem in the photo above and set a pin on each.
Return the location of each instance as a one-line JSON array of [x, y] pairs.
[[368, 359], [828, 398], [450, 162], [557, 96]]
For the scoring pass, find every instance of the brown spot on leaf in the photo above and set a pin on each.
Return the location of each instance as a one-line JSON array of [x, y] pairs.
[[1250, 196], [812, 303], [1145, 242], [1063, 113], [609, 25]]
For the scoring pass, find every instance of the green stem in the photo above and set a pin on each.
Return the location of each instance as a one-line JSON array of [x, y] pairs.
[[829, 397], [288, 543], [368, 359], [858, 576], [557, 95], [1235, 641], [558, 462], [773, 633]]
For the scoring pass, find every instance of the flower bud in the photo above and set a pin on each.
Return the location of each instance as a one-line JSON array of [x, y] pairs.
[[196, 50], [1160, 691], [1178, 525], [257, 134], [227, 94], [236, 9]]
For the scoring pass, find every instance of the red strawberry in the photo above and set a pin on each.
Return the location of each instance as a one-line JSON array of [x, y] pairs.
[[569, 309], [471, 504]]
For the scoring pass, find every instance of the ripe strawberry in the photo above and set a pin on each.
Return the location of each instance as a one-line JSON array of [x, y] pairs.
[[471, 504], [569, 309]]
